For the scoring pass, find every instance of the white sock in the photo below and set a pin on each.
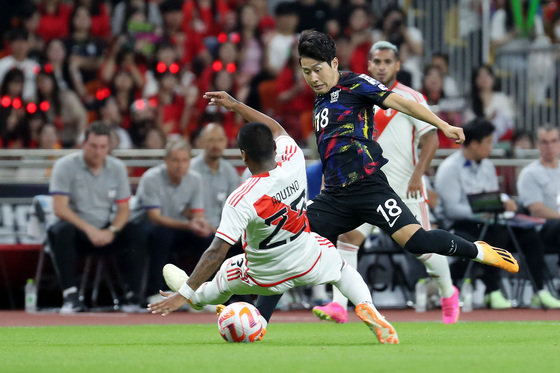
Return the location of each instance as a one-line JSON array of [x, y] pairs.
[[319, 292], [352, 286], [349, 253], [480, 255], [210, 293], [438, 269], [70, 290]]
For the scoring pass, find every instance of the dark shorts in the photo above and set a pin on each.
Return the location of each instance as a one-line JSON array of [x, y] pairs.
[[370, 200]]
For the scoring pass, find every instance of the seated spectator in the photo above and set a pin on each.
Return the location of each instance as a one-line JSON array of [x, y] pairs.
[[393, 28], [187, 41], [280, 42], [487, 103], [86, 186], [165, 56], [61, 107], [100, 20], [121, 56], [56, 58], [359, 32], [448, 110], [19, 48], [173, 110], [251, 48], [12, 110], [46, 139], [539, 186], [204, 17], [110, 115], [295, 98], [85, 53], [142, 118], [469, 171], [125, 92], [54, 21], [119, 21], [30, 19], [219, 177], [441, 61], [171, 203], [222, 80]]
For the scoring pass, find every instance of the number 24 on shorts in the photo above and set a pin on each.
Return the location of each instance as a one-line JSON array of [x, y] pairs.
[[390, 211]]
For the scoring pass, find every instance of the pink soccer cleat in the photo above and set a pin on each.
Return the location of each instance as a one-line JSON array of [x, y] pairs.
[[450, 308], [332, 312]]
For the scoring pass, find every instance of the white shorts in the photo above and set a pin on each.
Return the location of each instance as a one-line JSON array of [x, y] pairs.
[[233, 277], [418, 207]]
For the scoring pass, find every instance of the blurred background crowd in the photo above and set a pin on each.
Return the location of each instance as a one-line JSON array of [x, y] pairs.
[[141, 66]]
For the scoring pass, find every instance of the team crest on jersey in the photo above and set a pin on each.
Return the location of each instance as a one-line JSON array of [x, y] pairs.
[[334, 96], [382, 86]]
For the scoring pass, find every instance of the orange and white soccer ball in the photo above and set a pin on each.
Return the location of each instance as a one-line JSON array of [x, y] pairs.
[[240, 322]]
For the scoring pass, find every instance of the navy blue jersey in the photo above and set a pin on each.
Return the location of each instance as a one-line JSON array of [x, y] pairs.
[[343, 123]]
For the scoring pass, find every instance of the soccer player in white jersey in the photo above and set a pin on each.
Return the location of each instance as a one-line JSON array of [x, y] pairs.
[[402, 138], [268, 213]]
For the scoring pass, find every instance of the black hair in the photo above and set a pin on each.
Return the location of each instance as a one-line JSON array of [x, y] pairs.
[[256, 140], [56, 103], [171, 6], [477, 106], [11, 75], [316, 45], [98, 128], [477, 129], [17, 34], [443, 56]]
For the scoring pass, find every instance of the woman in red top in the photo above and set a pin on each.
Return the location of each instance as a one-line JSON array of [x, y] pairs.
[[54, 22]]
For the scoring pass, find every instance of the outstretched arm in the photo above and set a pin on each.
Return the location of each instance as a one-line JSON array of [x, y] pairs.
[[418, 111], [206, 266], [248, 113]]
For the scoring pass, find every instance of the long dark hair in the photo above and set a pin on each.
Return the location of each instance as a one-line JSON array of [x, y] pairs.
[[55, 96], [11, 75], [477, 106]]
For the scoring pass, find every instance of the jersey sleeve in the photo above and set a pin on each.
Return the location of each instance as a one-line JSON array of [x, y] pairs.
[[370, 90], [288, 151], [148, 196], [123, 190], [234, 221], [197, 203], [60, 178], [421, 127]]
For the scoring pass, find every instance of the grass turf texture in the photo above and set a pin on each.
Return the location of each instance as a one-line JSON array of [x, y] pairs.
[[294, 347]]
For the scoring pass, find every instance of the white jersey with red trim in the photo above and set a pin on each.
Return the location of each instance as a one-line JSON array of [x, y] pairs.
[[268, 212], [399, 135]]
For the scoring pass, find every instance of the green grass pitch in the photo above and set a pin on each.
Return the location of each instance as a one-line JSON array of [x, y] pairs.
[[296, 347]]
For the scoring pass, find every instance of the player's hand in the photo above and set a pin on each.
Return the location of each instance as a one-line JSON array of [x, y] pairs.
[[455, 133], [414, 189], [172, 302], [221, 99]]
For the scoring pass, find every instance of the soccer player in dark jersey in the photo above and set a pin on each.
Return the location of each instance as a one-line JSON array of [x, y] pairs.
[[356, 190]]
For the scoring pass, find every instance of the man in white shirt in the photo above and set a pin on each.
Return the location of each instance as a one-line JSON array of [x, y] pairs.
[[402, 138], [539, 188], [268, 213], [170, 201]]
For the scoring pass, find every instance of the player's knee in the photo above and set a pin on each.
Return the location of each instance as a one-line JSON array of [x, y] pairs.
[[417, 243]]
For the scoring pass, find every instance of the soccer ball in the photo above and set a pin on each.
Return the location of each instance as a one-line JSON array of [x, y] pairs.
[[240, 322]]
